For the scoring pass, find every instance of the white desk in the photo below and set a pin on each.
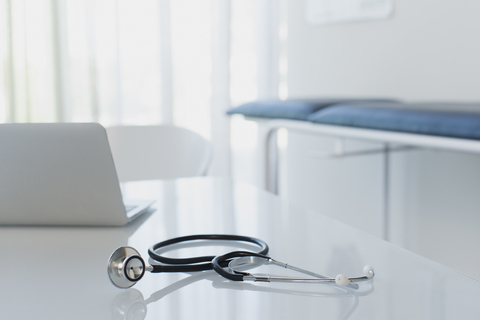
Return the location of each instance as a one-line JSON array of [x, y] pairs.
[[60, 273]]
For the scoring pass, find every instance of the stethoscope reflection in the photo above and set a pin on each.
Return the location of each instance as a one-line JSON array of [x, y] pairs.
[[131, 305]]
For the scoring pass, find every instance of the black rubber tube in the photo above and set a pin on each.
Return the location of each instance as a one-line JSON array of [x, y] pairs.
[[196, 263], [219, 264]]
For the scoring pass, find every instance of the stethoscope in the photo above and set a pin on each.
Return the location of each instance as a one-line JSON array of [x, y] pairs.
[[126, 266]]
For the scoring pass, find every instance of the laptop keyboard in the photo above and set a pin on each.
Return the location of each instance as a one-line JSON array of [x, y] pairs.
[[130, 208]]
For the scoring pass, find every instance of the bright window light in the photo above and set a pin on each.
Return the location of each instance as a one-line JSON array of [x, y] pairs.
[[192, 64]]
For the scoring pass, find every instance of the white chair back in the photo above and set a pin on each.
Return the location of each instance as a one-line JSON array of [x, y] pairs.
[[158, 152]]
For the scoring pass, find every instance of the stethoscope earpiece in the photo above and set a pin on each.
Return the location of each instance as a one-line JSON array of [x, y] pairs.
[[125, 267], [369, 272], [343, 280]]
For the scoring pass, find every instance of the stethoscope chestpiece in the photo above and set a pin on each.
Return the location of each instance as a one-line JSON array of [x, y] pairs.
[[125, 267]]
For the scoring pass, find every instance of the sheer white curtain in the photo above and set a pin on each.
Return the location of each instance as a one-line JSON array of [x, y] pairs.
[[138, 62]]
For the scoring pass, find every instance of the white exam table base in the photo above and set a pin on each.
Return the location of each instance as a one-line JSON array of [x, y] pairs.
[[406, 141]]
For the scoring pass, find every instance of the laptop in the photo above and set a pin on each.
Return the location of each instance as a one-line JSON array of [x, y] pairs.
[[60, 174]]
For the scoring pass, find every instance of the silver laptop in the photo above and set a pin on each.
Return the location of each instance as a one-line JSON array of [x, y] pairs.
[[60, 174]]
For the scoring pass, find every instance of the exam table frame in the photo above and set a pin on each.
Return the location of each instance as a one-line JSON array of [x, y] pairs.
[[392, 141]]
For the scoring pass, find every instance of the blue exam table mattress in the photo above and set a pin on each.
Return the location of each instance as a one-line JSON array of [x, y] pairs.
[[427, 118], [414, 118], [293, 109]]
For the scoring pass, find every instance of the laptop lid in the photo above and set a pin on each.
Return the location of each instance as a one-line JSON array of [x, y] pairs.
[[58, 174]]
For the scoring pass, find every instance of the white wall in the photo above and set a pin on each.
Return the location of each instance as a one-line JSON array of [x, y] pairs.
[[429, 50]]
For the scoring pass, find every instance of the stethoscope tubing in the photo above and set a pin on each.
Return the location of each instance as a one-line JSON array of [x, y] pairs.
[[218, 263], [200, 263]]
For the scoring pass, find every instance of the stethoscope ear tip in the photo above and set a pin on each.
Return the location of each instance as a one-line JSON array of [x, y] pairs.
[[369, 271], [342, 280], [125, 267]]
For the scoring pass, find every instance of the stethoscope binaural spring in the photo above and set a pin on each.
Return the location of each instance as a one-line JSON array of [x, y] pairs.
[[126, 267]]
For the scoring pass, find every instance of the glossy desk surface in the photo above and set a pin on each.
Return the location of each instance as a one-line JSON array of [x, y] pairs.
[[60, 273]]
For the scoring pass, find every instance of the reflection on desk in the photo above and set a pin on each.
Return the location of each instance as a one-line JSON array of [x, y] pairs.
[[60, 273], [131, 305]]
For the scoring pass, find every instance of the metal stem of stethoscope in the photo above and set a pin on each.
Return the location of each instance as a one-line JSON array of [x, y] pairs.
[[321, 278], [243, 258]]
